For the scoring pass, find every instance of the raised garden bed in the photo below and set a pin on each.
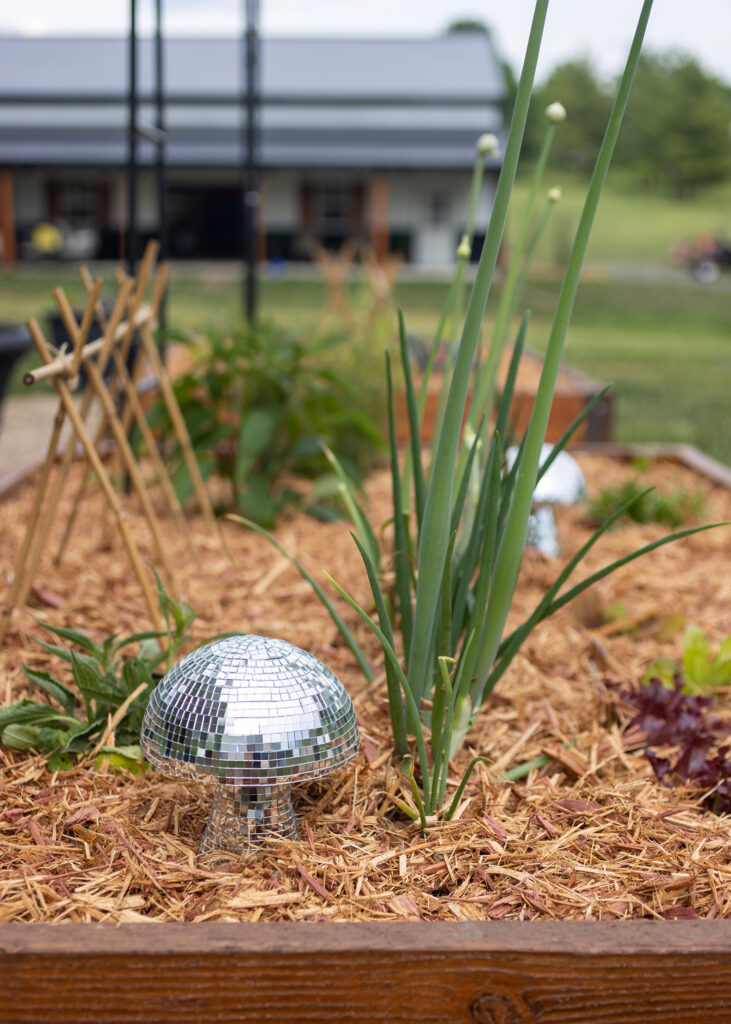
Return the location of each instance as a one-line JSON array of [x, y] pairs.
[[510, 973], [590, 836]]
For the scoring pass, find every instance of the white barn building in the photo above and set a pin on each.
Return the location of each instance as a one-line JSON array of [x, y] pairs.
[[371, 140]]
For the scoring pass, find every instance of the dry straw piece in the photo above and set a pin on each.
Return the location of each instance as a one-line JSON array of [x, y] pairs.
[[590, 835]]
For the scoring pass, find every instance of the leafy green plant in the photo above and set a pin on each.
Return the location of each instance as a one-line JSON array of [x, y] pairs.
[[671, 717], [259, 404], [643, 505], [460, 524], [700, 670], [111, 687]]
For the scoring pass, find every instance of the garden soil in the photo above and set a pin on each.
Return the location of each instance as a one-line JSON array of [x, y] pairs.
[[590, 835]]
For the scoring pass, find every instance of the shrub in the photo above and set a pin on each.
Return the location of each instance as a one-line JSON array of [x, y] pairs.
[[259, 404]]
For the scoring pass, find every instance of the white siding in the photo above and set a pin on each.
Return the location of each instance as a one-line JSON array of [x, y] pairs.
[[281, 201], [432, 207]]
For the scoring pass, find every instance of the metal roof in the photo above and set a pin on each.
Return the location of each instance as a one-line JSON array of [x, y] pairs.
[[408, 103], [461, 66]]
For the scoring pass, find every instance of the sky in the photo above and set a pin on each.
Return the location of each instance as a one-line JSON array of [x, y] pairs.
[[597, 29]]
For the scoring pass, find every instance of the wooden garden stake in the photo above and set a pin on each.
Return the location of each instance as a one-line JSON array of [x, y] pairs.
[[78, 338], [151, 250], [11, 602], [181, 431], [146, 267], [22, 569], [141, 420], [335, 268], [102, 427], [97, 382], [135, 315], [110, 328], [86, 404], [98, 467], [149, 439]]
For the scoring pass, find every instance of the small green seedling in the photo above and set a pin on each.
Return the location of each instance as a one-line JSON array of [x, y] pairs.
[[643, 505], [700, 669], [111, 686]]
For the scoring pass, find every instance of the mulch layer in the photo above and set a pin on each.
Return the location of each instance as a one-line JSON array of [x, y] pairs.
[[590, 835]]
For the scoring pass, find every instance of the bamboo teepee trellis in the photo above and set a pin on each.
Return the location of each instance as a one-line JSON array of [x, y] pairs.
[[130, 316]]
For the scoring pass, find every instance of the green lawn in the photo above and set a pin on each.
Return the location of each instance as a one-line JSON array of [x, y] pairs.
[[665, 348], [630, 227]]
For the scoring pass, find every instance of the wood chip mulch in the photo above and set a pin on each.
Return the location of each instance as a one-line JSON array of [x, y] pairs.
[[591, 835]]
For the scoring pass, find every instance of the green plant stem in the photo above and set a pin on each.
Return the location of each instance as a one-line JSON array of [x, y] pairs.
[[454, 301], [434, 538], [511, 548], [458, 297], [412, 707], [337, 619], [456, 290], [511, 292]]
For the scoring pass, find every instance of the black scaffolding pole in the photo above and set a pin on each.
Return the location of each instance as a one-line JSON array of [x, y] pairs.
[[250, 161], [131, 245], [161, 155], [154, 133]]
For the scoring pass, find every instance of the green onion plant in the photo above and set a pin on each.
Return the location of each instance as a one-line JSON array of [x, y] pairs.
[[460, 523]]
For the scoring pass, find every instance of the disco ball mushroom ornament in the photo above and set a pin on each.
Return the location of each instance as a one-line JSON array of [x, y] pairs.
[[253, 715], [562, 484]]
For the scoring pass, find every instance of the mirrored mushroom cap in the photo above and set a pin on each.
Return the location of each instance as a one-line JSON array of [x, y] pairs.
[[562, 484], [249, 710]]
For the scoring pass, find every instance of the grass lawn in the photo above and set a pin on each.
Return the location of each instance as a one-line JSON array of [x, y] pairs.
[[665, 348], [630, 227]]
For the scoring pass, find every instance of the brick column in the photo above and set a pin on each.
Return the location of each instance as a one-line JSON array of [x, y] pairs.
[[7, 218], [380, 204]]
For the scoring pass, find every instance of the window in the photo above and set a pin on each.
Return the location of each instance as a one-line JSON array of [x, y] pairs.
[[332, 208], [439, 209], [79, 203]]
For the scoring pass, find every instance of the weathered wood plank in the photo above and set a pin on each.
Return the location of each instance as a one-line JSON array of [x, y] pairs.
[[499, 973]]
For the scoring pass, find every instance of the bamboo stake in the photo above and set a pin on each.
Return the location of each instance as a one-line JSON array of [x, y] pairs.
[[146, 268], [146, 264], [25, 570], [160, 371], [114, 330], [60, 366], [11, 602], [140, 286], [179, 426], [163, 378], [86, 404], [78, 338], [130, 464], [141, 419], [158, 291], [134, 406], [98, 467]]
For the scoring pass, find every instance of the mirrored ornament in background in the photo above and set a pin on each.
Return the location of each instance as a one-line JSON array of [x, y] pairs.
[[253, 715], [562, 484]]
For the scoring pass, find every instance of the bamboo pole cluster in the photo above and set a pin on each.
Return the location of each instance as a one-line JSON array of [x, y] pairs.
[[131, 318]]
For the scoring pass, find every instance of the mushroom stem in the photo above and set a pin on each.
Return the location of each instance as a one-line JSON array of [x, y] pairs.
[[243, 816]]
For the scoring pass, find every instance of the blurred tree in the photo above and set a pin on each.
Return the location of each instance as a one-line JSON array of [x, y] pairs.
[[676, 134], [468, 25], [587, 104]]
